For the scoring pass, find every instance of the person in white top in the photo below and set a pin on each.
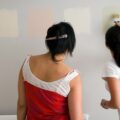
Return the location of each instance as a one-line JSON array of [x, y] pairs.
[[111, 72], [49, 89]]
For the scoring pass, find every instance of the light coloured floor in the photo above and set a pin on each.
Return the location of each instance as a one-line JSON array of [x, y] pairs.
[[13, 117], [8, 117]]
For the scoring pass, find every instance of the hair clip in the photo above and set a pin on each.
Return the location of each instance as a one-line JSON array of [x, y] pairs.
[[59, 37], [116, 18]]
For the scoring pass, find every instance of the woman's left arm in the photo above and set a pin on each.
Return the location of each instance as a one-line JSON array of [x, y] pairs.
[[114, 88]]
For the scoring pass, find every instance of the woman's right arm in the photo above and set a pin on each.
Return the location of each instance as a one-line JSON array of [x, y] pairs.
[[21, 104], [75, 99], [114, 87]]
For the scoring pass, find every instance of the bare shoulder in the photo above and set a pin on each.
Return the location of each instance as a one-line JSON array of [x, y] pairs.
[[76, 82], [68, 68], [35, 58]]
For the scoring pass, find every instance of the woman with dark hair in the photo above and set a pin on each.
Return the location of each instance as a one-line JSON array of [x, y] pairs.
[[48, 88], [112, 69]]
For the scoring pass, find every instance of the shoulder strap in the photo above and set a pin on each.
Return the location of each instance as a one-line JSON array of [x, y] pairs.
[[72, 75], [25, 62], [27, 58]]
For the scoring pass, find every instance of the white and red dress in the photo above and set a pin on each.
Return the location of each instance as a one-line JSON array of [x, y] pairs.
[[46, 100]]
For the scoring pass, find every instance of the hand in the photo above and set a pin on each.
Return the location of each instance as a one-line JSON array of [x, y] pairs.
[[104, 104]]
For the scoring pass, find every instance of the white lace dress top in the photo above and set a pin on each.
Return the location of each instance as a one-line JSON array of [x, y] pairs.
[[111, 70], [60, 86]]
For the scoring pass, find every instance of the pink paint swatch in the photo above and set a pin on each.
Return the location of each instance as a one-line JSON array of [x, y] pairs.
[[39, 20]]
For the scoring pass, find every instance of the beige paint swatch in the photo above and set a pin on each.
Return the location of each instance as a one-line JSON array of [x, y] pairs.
[[8, 23], [107, 16], [80, 18], [39, 20]]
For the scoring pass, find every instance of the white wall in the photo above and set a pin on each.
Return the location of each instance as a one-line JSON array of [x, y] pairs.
[[89, 56]]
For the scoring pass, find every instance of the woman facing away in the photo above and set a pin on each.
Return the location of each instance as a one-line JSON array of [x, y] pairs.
[[112, 69], [49, 89]]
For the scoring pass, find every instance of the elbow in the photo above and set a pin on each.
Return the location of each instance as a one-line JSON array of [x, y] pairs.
[[21, 105], [116, 104]]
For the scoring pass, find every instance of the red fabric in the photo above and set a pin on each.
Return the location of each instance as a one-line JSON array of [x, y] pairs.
[[45, 105]]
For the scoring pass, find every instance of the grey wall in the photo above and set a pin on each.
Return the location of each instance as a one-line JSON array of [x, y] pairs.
[[89, 56]]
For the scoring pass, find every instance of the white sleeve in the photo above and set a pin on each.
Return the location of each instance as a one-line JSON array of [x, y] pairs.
[[24, 68], [110, 70]]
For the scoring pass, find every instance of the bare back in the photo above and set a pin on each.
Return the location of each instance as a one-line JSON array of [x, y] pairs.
[[44, 68]]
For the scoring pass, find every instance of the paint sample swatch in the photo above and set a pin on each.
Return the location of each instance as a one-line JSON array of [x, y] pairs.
[[39, 20], [107, 16], [8, 23], [80, 19]]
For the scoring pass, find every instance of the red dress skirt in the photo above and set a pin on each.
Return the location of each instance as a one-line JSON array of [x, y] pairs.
[[45, 105]]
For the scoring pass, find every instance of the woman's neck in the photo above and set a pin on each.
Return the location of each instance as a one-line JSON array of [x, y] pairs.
[[59, 57]]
